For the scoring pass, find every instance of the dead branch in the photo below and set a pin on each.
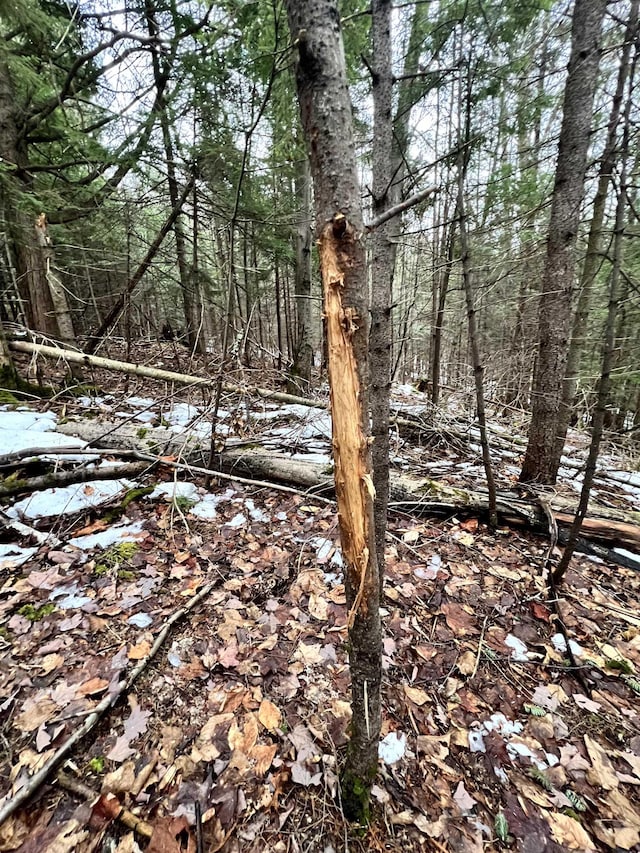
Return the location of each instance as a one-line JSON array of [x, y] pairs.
[[67, 478]]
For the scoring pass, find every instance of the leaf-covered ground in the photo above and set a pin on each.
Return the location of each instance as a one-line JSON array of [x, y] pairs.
[[492, 739]]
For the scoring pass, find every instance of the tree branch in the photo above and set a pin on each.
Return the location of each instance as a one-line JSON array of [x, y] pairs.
[[391, 212]]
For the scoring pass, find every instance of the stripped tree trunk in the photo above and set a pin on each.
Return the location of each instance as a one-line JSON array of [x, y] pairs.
[[326, 114]]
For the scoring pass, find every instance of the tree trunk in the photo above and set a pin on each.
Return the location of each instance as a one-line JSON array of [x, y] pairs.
[[29, 261], [326, 114], [604, 383], [593, 258], [303, 348], [542, 457], [383, 256]]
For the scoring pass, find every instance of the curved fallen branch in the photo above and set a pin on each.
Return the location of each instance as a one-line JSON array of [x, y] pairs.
[[11, 804]]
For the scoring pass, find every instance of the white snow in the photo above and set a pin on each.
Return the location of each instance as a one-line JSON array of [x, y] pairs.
[[65, 501], [175, 489], [108, 537], [22, 430], [519, 651], [392, 747], [12, 556]]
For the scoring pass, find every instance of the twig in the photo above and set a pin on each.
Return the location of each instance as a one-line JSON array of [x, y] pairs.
[[11, 804], [396, 209], [126, 817], [475, 667]]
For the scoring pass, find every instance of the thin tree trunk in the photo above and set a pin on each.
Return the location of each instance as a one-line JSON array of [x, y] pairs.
[[604, 383], [326, 114], [593, 258], [542, 457], [303, 348], [383, 255]]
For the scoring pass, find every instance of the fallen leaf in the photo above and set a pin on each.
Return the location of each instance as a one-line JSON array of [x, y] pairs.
[[35, 711], [463, 799], [466, 663], [263, 755], [269, 715], [602, 773], [168, 835], [139, 651], [92, 687], [416, 694], [569, 832]]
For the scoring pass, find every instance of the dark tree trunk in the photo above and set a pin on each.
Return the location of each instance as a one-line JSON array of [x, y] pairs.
[[593, 258], [542, 457], [303, 349], [383, 256], [326, 113]]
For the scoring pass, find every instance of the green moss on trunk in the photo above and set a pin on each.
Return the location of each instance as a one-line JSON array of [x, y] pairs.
[[356, 797]]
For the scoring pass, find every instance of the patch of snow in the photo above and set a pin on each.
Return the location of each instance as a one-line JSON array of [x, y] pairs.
[[12, 556], [476, 741], [181, 414], [175, 489], [499, 723], [629, 555], [22, 430], [519, 651], [237, 520], [108, 537], [140, 403], [140, 620], [560, 645], [255, 513], [629, 478], [68, 500], [392, 747]]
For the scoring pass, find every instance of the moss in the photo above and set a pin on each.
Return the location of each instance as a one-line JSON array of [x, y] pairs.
[[11, 381], [183, 503], [35, 614], [114, 558], [7, 398], [96, 765], [4, 633], [134, 495], [142, 432], [356, 798]]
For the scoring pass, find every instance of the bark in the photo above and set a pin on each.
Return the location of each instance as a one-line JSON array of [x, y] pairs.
[[27, 257], [383, 256], [303, 348], [542, 457], [327, 122], [57, 479], [593, 258], [604, 383]]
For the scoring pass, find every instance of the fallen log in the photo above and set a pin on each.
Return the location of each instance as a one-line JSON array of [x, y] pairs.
[[56, 479], [423, 497]]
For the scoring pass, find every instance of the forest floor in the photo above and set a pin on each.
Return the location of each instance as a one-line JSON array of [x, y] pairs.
[[494, 736]]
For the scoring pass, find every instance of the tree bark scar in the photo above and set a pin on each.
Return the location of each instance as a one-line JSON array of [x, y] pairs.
[[350, 445]]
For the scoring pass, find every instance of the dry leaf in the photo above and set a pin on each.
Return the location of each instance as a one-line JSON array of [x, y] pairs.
[[466, 663], [602, 773], [416, 694], [92, 687], [269, 715], [139, 651], [263, 755], [569, 832], [463, 798], [35, 711]]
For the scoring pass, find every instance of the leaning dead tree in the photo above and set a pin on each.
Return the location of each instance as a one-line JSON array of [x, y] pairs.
[[326, 114]]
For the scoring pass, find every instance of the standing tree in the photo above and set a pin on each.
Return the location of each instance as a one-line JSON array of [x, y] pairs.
[[542, 458], [327, 122]]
